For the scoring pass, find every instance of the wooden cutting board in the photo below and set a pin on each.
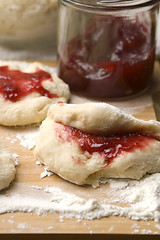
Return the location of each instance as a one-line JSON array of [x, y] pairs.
[[29, 173]]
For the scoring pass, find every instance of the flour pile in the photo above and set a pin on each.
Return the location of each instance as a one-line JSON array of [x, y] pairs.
[[141, 198]]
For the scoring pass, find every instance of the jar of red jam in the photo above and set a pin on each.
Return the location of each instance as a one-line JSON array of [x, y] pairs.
[[107, 48]]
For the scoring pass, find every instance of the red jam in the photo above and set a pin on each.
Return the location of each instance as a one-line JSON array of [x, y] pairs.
[[107, 146], [114, 57], [15, 84]]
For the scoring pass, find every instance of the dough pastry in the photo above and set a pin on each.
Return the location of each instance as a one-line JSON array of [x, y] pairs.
[[86, 142], [33, 107], [7, 167]]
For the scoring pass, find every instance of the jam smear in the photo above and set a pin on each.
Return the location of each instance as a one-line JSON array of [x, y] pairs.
[[15, 84], [107, 146], [113, 57]]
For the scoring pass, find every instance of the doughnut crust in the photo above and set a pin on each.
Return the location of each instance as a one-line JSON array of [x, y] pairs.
[[65, 157], [33, 107]]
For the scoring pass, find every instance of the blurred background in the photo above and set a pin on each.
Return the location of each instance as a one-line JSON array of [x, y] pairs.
[[28, 29], [158, 35]]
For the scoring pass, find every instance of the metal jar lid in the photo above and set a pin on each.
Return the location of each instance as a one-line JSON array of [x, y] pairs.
[[111, 5]]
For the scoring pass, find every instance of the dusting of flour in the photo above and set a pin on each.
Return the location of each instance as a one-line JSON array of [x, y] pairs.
[[15, 157], [27, 137], [141, 198]]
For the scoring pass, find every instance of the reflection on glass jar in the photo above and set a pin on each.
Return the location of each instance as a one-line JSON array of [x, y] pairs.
[[107, 49]]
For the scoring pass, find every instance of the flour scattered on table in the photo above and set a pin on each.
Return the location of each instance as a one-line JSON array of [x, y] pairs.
[[146, 231], [135, 225], [38, 163], [10, 221], [111, 229], [157, 226], [61, 218], [50, 228], [46, 173], [28, 138], [11, 140], [141, 198], [135, 231], [15, 157], [22, 226]]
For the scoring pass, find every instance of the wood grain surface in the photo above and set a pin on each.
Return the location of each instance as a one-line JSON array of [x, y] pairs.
[[29, 173]]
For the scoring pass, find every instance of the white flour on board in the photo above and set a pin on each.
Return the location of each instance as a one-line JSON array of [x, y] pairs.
[[142, 199], [15, 157], [46, 173], [28, 139], [26, 136]]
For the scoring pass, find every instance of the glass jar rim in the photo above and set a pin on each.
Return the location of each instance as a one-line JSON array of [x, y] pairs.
[[112, 5]]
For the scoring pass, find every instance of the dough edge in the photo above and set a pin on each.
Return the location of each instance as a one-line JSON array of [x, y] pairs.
[[32, 108], [7, 167]]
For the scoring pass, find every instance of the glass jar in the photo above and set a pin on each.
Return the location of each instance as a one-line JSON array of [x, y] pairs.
[[107, 48]]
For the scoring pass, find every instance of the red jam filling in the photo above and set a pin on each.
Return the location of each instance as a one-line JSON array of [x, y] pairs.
[[15, 84], [107, 146], [114, 57]]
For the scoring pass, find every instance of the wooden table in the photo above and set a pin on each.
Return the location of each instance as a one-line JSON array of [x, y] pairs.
[[29, 173]]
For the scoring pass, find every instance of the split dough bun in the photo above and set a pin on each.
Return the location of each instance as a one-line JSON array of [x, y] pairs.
[[32, 108], [7, 167], [64, 157]]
